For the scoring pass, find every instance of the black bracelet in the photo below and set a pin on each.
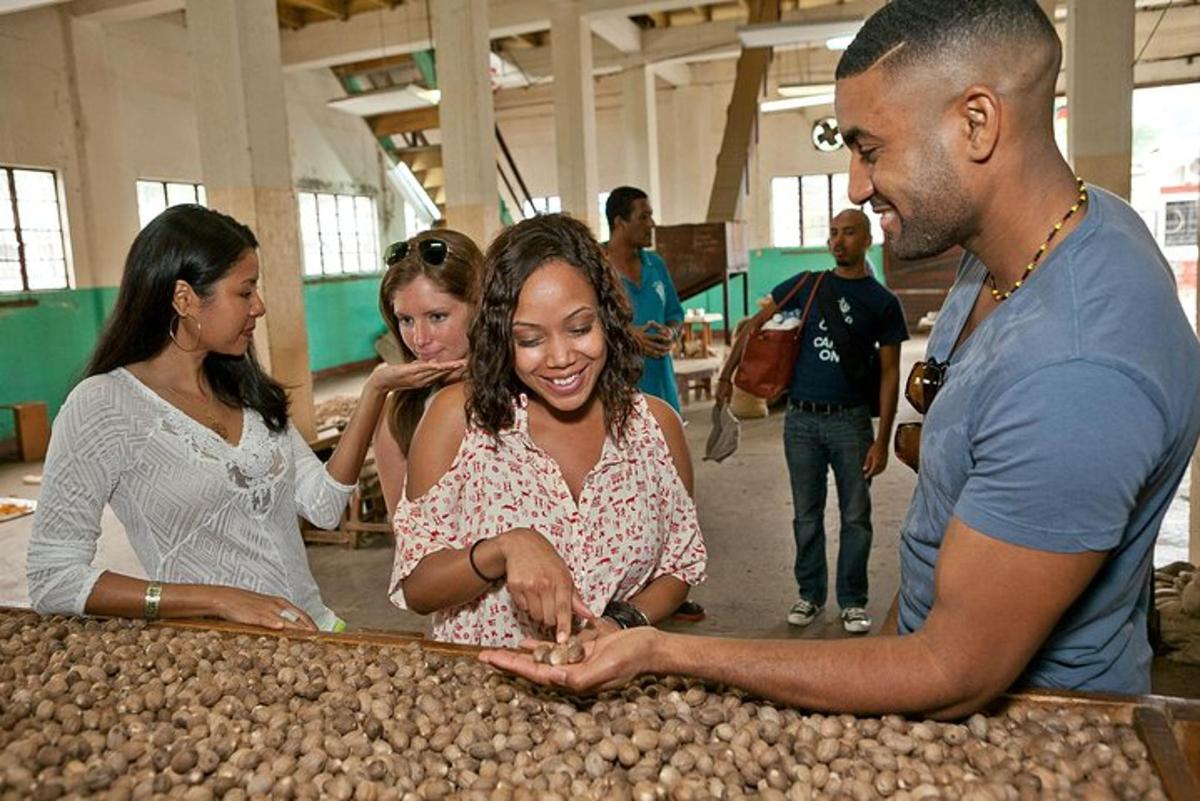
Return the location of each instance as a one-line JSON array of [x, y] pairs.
[[625, 614], [475, 567]]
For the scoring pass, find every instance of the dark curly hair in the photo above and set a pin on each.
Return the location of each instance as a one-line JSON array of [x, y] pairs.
[[514, 255]]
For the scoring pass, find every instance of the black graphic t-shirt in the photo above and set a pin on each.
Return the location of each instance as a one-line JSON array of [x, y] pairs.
[[872, 313]]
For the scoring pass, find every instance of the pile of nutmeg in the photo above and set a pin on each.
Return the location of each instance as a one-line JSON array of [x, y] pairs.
[[119, 709]]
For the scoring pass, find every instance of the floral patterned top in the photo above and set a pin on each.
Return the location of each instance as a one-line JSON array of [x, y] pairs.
[[634, 521]]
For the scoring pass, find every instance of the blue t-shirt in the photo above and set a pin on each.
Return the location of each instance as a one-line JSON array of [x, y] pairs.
[[871, 312], [1065, 423], [655, 299]]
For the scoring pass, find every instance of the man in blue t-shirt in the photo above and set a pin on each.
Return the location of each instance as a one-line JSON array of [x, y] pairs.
[[828, 422], [1068, 407], [657, 313]]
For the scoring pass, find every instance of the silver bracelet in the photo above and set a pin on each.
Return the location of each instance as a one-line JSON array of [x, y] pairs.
[[153, 596]]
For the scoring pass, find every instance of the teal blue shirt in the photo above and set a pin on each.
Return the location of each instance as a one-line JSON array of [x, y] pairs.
[[655, 299]]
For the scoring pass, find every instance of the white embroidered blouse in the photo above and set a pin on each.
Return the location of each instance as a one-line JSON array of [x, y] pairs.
[[634, 522], [196, 509]]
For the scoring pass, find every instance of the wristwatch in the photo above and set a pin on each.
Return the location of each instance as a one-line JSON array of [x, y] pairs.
[[625, 614]]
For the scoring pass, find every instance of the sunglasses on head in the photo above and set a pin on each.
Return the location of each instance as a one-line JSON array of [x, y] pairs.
[[431, 250], [924, 381]]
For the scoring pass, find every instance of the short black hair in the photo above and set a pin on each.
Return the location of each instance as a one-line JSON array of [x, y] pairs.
[[925, 29], [620, 203]]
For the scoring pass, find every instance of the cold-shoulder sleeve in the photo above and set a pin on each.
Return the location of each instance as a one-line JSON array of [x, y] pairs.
[[437, 520], [83, 465], [319, 496]]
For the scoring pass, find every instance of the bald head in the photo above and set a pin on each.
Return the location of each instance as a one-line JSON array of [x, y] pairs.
[[852, 216], [849, 238]]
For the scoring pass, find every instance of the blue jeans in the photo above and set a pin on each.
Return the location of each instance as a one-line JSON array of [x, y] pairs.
[[813, 443]]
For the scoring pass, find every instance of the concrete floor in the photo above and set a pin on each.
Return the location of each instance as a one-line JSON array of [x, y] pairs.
[[745, 513]]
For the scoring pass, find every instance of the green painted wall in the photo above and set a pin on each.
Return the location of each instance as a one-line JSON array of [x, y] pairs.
[[44, 347], [343, 320], [768, 267]]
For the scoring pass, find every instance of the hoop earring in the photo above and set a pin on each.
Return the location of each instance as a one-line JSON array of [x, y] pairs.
[[174, 326]]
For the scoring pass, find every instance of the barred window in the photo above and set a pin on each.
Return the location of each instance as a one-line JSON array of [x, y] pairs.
[[155, 197], [339, 233], [32, 246], [802, 207]]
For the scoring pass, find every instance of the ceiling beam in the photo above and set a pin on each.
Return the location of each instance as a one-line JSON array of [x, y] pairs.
[[619, 32], [334, 9], [404, 29], [675, 73], [107, 11], [291, 18], [397, 122]]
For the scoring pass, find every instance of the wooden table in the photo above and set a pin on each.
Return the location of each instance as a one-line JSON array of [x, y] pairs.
[[705, 323]]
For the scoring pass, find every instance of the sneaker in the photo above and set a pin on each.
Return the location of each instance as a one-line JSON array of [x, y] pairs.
[[689, 611], [855, 620], [803, 612]]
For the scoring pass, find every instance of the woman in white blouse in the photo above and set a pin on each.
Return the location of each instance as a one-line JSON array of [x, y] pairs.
[[178, 428]]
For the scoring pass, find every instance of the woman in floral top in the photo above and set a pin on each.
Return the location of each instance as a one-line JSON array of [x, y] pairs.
[[547, 487]]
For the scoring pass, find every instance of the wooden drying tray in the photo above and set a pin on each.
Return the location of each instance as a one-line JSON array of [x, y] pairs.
[[1169, 726]]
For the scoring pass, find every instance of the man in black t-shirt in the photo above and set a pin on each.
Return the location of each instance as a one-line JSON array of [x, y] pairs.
[[829, 419]]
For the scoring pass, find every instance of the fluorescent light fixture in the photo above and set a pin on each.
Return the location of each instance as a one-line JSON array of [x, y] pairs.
[[838, 42], [412, 191], [791, 103], [775, 34], [430, 96], [805, 89], [382, 101]]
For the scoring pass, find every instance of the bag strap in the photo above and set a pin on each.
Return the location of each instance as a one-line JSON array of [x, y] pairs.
[[786, 299], [792, 292], [816, 290], [852, 357]]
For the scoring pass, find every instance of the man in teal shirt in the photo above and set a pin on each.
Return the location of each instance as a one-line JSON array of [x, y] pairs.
[[657, 313]]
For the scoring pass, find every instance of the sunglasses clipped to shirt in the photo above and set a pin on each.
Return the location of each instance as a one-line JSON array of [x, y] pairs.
[[924, 381], [431, 250]]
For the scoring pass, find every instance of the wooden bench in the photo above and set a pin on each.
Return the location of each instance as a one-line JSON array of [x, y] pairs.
[[694, 380]]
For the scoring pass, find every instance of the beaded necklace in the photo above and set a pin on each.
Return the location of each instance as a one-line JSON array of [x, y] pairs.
[[999, 296]]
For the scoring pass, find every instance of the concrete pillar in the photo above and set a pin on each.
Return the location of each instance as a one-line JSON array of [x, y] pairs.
[[639, 131], [1100, 91], [245, 158], [460, 33], [574, 111], [108, 178]]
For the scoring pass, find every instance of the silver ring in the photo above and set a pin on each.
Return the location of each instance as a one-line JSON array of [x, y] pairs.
[[289, 615]]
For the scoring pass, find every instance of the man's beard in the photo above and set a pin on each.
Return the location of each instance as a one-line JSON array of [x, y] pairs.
[[939, 212]]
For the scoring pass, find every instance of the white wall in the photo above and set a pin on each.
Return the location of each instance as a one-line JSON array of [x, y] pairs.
[[105, 105]]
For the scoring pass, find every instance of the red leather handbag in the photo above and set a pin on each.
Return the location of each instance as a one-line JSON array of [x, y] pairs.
[[769, 358]]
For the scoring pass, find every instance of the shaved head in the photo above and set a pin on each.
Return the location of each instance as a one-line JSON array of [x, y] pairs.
[[905, 33], [853, 215], [948, 45]]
